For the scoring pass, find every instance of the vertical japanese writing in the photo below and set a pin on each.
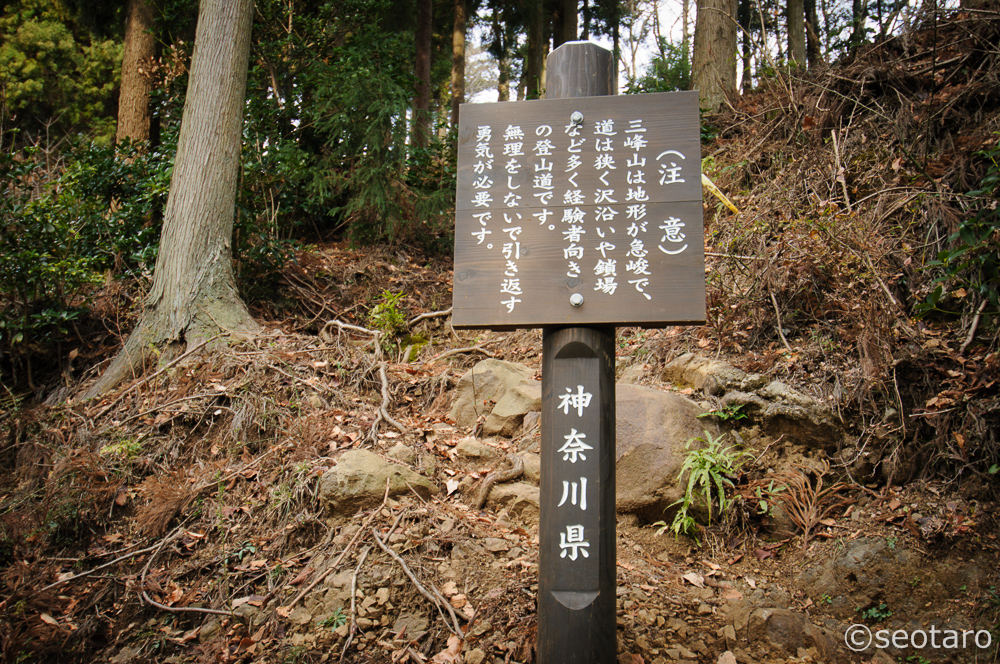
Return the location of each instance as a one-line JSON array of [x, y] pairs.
[[670, 173], [573, 541], [605, 199], [637, 264], [513, 149]]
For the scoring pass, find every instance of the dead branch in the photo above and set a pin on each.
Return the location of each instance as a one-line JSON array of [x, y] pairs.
[[100, 567], [163, 607], [458, 351], [454, 628], [433, 314], [350, 545], [146, 379], [973, 328], [383, 413], [777, 313], [354, 592]]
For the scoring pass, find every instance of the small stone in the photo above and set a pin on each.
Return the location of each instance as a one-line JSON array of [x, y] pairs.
[[704, 609], [382, 595], [209, 630], [471, 448], [403, 452], [496, 544], [475, 656], [729, 632], [300, 616], [727, 658]]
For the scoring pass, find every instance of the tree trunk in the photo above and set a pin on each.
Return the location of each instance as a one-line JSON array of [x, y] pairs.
[[422, 70], [194, 296], [501, 50], [458, 61], [747, 50], [713, 69], [814, 48], [795, 19], [858, 15], [535, 62], [569, 22], [686, 35], [134, 116]]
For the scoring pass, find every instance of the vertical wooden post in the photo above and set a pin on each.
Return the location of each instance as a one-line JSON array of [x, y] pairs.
[[577, 562]]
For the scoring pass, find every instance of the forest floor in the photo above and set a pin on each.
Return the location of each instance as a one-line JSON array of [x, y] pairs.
[[177, 519]]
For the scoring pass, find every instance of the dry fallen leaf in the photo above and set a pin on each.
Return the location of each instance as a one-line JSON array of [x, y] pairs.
[[49, 619], [452, 654], [694, 579]]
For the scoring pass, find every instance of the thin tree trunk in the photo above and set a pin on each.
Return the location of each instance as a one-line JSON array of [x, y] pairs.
[[858, 15], [747, 46], [795, 20], [686, 35], [134, 114], [713, 70], [458, 61], [814, 47], [194, 295], [502, 51], [535, 61], [422, 70], [569, 23]]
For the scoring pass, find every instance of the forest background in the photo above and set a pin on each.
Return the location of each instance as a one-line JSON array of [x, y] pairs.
[[349, 127], [857, 259]]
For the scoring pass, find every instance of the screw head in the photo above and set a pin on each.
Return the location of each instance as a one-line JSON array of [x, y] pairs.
[[576, 299], [576, 118]]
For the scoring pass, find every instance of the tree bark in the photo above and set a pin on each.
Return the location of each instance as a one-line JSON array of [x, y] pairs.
[[713, 69], [458, 61], [746, 82], [795, 18], [814, 47], [194, 295], [502, 46], [422, 70], [535, 62], [134, 115], [568, 23]]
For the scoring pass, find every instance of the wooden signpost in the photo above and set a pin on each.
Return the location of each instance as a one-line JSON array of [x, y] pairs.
[[576, 214]]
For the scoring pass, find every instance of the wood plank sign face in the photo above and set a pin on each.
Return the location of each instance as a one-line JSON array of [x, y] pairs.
[[582, 211]]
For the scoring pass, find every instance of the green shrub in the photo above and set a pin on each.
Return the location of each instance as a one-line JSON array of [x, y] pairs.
[[708, 472]]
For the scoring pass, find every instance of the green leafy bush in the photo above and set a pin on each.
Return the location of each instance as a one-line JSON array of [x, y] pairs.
[[972, 264], [708, 471]]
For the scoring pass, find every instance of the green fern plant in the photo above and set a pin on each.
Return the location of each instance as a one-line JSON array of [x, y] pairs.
[[708, 470]]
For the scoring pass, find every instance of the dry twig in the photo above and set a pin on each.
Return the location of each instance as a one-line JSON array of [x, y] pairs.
[[454, 627]]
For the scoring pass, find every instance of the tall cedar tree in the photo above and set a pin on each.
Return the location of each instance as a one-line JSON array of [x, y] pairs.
[[423, 37], [134, 114], [458, 60], [194, 294], [795, 15], [713, 66]]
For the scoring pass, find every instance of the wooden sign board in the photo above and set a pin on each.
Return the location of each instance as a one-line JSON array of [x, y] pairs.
[[583, 211]]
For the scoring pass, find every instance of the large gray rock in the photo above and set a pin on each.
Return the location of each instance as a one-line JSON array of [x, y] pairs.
[[778, 409], [359, 480], [652, 429], [503, 391]]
